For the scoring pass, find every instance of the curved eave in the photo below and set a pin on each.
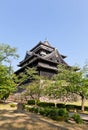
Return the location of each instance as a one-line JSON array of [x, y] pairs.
[[24, 61], [49, 68], [37, 58], [63, 56]]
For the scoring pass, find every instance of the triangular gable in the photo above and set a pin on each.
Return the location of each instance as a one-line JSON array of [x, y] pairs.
[[55, 56]]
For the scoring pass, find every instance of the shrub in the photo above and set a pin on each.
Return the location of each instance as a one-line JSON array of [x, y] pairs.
[[36, 110], [78, 107], [24, 106], [53, 112], [77, 118], [59, 114], [45, 104], [63, 114], [47, 111], [70, 107], [61, 105], [12, 105], [31, 109], [42, 111], [86, 108], [73, 107], [31, 102]]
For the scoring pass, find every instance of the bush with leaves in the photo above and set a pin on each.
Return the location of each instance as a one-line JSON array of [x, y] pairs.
[[77, 118], [31, 102], [46, 104], [12, 105]]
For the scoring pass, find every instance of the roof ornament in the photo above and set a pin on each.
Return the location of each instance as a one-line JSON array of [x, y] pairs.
[[46, 39], [46, 42]]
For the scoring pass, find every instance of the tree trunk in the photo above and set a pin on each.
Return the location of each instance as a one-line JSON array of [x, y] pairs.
[[82, 103], [20, 107], [55, 104], [36, 102]]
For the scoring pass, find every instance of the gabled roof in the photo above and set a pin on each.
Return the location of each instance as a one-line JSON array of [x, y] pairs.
[[45, 43], [55, 56], [28, 54], [52, 56]]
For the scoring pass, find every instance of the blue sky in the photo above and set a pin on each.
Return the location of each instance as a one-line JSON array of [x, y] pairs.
[[23, 23]]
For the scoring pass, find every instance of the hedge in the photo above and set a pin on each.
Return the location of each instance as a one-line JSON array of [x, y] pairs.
[[31, 102], [59, 105], [45, 104], [53, 113]]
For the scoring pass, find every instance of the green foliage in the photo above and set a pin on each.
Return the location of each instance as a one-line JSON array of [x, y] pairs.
[[12, 105], [63, 112], [61, 105], [7, 52], [52, 89], [70, 107], [5, 96], [77, 118], [31, 102], [73, 107], [68, 83], [46, 104], [34, 90], [31, 82], [31, 109], [7, 84], [36, 110], [59, 118], [53, 113], [42, 111], [86, 108], [28, 74]]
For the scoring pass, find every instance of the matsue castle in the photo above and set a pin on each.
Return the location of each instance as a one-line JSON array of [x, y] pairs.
[[44, 57]]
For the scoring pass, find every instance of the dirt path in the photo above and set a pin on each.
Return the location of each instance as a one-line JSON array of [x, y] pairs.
[[12, 120]]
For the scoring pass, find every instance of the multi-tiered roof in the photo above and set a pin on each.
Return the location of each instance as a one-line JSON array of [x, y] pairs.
[[44, 57]]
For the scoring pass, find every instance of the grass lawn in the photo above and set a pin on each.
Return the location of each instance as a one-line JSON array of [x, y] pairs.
[[6, 106], [78, 103]]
